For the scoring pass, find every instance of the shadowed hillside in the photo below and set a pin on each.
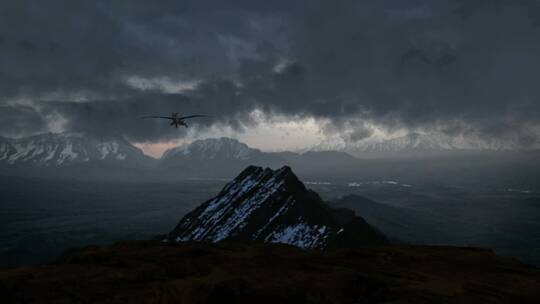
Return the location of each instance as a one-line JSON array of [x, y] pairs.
[[156, 272]]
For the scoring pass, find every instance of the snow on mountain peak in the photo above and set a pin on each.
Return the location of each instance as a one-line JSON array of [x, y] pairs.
[[57, 149], [213, 148], [413, 142]]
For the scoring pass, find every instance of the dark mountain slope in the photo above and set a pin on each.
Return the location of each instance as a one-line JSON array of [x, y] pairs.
[[273, 206], [407, 225]]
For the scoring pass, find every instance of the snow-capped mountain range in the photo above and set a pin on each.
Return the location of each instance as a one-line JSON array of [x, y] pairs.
[[412, 142], [64, 149], [213, 148], [78, 155], [215, 157], [265, 205]]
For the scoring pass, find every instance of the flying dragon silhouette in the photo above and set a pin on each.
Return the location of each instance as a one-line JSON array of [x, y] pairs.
[[175, 119]]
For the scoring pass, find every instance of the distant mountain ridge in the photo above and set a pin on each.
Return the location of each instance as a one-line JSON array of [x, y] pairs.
[[224, 157], [213, 157], [72, 155], [206, 158], [274, 206], [64, 149], [412, 142], [213, 148]]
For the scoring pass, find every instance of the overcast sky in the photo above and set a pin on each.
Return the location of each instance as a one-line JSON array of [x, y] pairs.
[[280, 74]]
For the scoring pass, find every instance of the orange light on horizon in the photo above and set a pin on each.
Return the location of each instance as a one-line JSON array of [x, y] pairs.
[[156, 150]]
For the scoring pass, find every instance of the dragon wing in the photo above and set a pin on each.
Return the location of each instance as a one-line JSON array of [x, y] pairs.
[[164, 117], [192, 116]]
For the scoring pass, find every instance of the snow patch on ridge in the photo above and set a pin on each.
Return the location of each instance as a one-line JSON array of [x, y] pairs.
[[66, 154], [301, 235], [107, 148], [220, 218]]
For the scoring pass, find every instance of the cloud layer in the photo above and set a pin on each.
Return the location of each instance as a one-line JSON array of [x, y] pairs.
[[457, 67]]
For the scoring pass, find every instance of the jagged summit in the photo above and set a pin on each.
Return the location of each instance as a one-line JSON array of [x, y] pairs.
[[274, 206]]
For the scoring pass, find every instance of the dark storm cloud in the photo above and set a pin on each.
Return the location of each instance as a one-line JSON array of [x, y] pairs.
[[359, 134], [414, 64], [20, 120]]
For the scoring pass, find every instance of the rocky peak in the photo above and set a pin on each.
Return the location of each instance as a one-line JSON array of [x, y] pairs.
[[272, 206]]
